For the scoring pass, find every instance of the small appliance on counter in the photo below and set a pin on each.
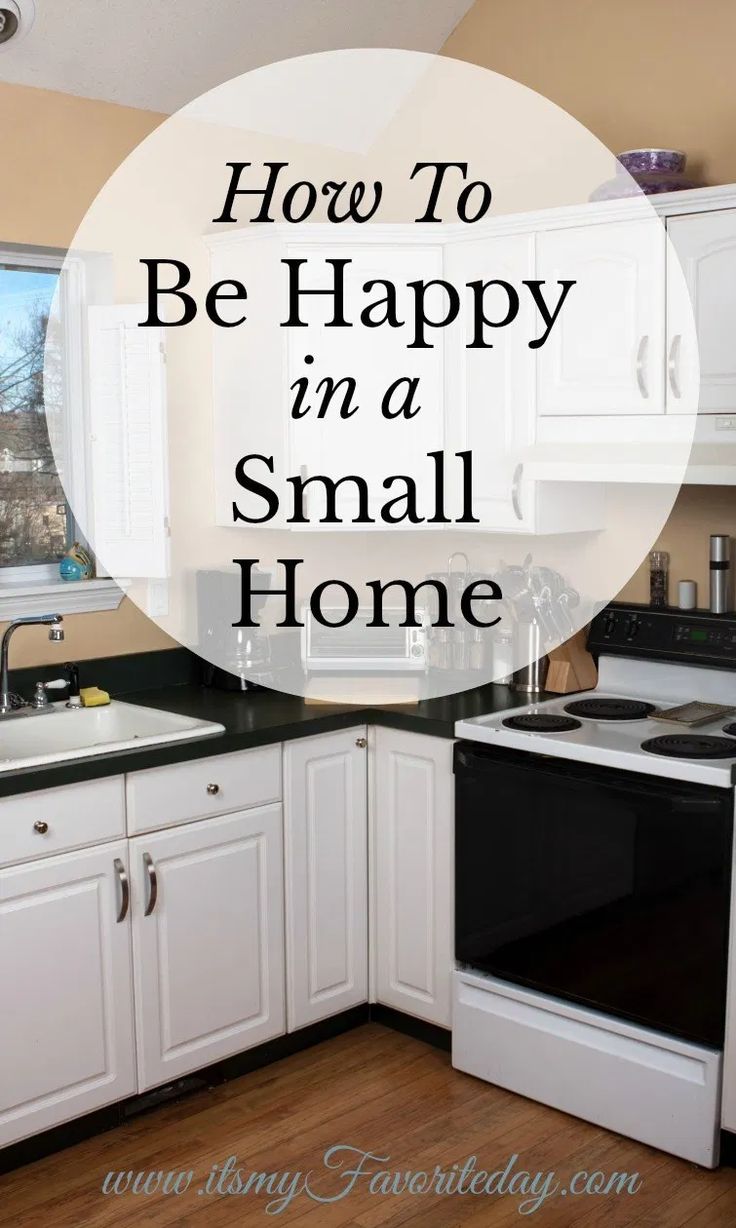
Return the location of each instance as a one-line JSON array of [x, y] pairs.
[[246, 649], [593, 859], [358, 647]]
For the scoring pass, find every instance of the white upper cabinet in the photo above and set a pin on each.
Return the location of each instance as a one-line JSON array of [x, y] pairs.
[[335, 376], [604, 354], [621, 348], [326, 848], [490, 398], [66, 1024], [705, 246], [208, 940], [490, 393], [364, 442]]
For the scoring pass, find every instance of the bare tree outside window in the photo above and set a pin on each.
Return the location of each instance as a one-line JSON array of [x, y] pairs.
[[33, 510]]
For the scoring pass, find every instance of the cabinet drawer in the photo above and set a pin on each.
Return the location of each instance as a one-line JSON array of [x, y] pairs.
[[589, 1065], [163, 797], [57, 820]]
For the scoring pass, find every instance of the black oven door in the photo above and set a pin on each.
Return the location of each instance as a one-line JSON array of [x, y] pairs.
[[603, 887]]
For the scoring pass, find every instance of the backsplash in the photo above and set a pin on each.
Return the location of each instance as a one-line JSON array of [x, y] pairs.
[[698, 512], [120, 675]]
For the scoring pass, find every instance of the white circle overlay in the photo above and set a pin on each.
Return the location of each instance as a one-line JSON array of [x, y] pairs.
[[473, 415]]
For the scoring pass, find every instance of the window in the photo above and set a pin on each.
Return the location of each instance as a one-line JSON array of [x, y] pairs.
[[36, 521], [104, 407]]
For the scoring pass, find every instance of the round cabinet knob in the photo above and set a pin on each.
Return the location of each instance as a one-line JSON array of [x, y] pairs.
[[41, 827], [213, 790], [361, 742]]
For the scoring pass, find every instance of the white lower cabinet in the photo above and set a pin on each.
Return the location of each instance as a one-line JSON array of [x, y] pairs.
[[66, 1023], [132, 962], [208, 941], [326, 840], [412, 899]]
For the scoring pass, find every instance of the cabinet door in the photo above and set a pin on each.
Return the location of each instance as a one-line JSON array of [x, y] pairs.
[[66, 1024], [490, 405], [248, 373], [604, 354], [705, 246], [366, 443], [412, 837], [208, 941], [326, 831]]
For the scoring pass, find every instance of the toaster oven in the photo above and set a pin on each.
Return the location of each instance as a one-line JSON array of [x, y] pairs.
[[358, 646]]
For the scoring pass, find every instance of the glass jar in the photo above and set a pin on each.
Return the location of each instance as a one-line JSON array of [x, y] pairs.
[[659, 576]]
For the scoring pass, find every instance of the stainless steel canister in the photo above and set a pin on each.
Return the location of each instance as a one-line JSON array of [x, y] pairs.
[[720, 573]]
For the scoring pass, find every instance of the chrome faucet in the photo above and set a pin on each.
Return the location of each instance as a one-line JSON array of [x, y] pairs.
[[8, 702]]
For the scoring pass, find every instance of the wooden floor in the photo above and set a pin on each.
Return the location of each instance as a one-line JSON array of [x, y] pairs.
[[379, 1091]]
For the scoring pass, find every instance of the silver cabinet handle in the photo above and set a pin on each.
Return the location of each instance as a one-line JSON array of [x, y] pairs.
[[516, 491], [41, 826], [213, 790], [641, 366], [152, 884], [361, 743], [673, 365], [124, 890]]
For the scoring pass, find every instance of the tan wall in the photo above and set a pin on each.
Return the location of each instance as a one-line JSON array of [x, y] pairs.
[[636, 73], [57, 152], [699, 511]]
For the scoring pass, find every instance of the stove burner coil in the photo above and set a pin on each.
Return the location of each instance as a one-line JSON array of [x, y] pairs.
[[690, 746], [542, 722]]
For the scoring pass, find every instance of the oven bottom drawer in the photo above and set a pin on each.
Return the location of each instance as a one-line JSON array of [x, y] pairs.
[[653, 1088]]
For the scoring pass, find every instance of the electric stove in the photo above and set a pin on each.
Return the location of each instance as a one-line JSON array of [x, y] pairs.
[[648, 660], [593, 853]]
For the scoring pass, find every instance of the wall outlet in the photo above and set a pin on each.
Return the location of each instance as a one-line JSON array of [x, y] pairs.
[[157, 598]]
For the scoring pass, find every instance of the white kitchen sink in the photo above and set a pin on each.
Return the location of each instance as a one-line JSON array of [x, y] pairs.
[[28, 739]]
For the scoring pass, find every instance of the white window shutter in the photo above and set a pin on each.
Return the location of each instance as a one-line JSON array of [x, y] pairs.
[[127, 422]]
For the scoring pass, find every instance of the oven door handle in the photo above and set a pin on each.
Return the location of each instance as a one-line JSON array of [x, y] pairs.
[[478, 763], [696, 805], [466, 758]]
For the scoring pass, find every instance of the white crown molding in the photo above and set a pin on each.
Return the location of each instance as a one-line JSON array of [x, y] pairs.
[[60, 597], [667, 204]]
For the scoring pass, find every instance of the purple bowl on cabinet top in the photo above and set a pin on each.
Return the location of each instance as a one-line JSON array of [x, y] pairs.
[[647, 161], [622, 185]]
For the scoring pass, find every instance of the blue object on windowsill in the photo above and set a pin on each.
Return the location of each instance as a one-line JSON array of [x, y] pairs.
[[76, 564]]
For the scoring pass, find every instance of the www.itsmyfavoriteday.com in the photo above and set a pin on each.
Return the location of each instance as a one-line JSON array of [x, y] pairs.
[[350, 1169]]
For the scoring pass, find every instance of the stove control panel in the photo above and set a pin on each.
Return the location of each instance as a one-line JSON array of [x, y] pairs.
[[698, 638]]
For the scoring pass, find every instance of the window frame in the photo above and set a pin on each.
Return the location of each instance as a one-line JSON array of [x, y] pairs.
[[27, 588]]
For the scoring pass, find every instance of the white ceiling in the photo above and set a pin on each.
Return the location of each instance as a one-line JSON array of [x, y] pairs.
[[159, 54]]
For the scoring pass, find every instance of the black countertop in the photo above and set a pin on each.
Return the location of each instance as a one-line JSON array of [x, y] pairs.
[[256, 718]]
